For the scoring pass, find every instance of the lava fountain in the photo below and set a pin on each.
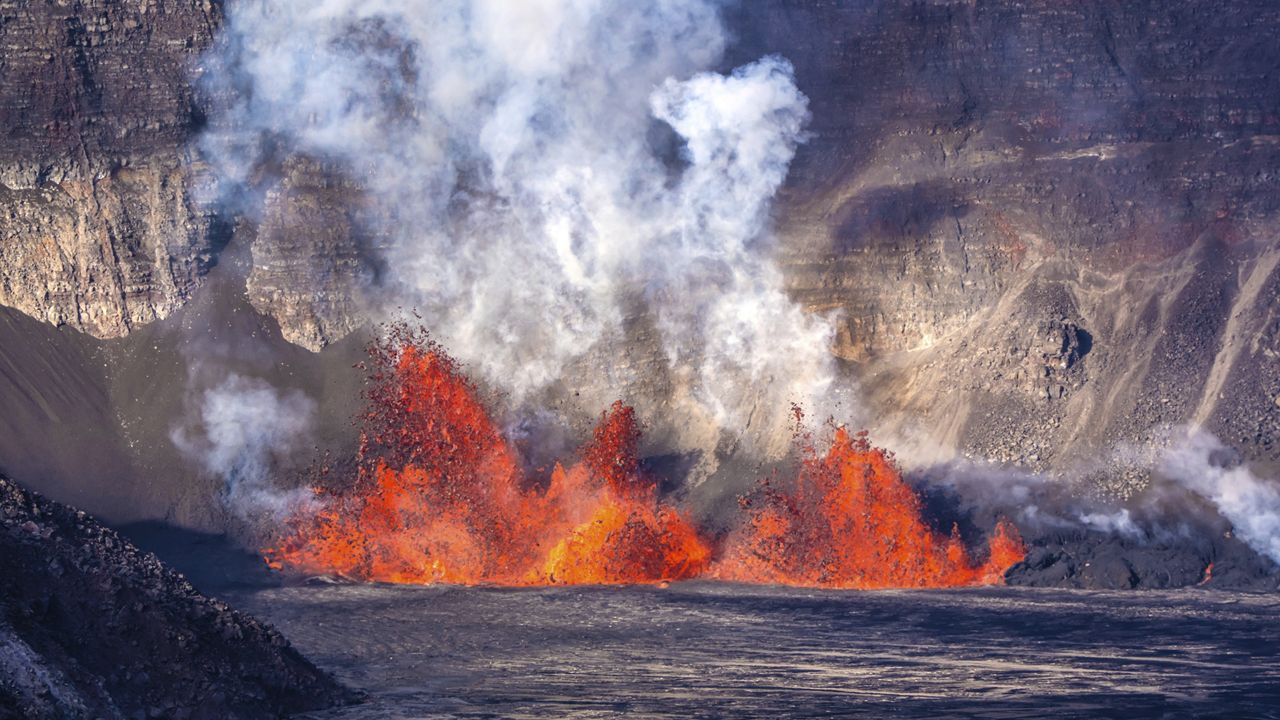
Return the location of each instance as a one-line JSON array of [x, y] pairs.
[[851, 521], [439, 497]]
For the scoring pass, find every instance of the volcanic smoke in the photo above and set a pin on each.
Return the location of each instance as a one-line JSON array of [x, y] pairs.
[[538, 176], [439, 497]]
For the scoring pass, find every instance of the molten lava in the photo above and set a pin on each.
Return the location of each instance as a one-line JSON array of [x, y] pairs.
[[439, 496], [850, 521]]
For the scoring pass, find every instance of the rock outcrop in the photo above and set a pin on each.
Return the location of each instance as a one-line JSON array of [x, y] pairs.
[[1210, 557], [313, 254], [91, 627], [100, 228]]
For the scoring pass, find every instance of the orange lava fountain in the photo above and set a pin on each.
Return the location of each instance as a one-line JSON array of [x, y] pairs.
[[852, 522], [439, 497]]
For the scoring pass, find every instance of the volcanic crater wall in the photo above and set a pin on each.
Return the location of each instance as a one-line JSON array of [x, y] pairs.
[[1047, 226], [100, 231]]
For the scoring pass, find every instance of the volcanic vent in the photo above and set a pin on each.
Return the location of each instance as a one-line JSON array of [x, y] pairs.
[[439, 495]]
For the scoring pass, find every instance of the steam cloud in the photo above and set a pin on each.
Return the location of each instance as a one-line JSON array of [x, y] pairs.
[[246, 428], [1202, 464], [1184, 462], [547, 169]]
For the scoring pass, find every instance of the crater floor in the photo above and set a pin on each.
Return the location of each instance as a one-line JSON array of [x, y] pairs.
[[715, 650]]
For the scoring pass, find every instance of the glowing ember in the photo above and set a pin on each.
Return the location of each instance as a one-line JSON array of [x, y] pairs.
[[439, 497], [1208, 575]]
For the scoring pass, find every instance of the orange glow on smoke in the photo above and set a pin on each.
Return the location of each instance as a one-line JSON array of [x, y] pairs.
[[439, 497]]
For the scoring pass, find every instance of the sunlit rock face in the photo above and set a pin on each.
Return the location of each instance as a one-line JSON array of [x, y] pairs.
[[100, 230], [1047, 225], [312, 254], [110, 215]]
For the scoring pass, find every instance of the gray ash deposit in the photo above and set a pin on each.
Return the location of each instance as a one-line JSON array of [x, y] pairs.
[[92, 627]]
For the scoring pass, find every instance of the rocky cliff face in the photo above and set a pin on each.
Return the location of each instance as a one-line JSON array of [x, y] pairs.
[[99, 229], [1048, 227], [313, 254]]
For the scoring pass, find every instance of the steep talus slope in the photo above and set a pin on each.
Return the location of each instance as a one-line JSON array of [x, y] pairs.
[[58, 427], [92, 422], [1049, 227], [91, 627]]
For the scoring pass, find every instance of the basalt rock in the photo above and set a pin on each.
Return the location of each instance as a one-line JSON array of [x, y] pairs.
[[100, 226], [313, 255], [92, 627], [1110, 561]]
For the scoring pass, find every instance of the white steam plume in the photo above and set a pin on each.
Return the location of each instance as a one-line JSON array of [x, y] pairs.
[[1118, 522], [547, 168], [245, 429], [1202, 464]]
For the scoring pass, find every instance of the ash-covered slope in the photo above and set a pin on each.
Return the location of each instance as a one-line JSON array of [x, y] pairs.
[[91, 627], [1050, 227]]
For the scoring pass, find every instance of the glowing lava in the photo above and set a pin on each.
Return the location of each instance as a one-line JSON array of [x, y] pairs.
[[850, 521], [439, 497]]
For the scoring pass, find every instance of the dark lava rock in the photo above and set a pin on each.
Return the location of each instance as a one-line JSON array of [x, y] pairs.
[[92, 627], [1205, 557]]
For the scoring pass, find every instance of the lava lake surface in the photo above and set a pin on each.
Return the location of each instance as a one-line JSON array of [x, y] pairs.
[[704, 649]]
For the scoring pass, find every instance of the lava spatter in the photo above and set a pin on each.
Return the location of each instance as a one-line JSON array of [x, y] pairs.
[[849, 520], [440, 497]]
